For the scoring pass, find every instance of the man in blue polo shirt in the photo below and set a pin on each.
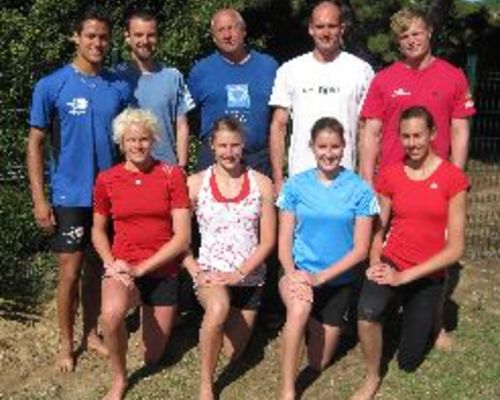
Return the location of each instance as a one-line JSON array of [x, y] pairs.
[[234, 81], [75, 106], [157, 87]]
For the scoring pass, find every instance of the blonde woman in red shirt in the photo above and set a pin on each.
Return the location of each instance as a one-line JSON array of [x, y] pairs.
[[148, 204]]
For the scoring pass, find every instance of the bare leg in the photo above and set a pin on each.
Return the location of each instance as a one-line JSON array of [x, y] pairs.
[[322, 342], [91, 303], [237, 332], [370, 336], [116, 300], [67, 299], [292, 338], [157, 324], [215, 301]]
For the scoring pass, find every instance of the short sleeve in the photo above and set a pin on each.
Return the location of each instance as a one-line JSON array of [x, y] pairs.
[[457, 182], [287, 199], [364, 85], [463, 104], [373, 104], [383, 183], [193, 85], [280, 95], [102, 201], [367, 204], [179, 195], [42, 105], [185, 102], [127, 96]]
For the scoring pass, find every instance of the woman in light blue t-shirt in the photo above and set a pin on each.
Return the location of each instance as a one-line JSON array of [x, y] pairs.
[[326, 218]]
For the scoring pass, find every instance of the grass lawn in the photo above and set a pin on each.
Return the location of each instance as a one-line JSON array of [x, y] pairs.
[[472, 371]]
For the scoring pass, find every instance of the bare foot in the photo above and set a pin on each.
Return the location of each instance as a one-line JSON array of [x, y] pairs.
[[206, 392], [367, 390], [444, 341], [95, 343], [117, 390], [65, 361]]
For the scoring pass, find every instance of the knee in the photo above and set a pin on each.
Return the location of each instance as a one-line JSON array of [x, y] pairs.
[[409, 362], [216, 314], [370, 313], [68, 277], [297, 316], [112, 318]]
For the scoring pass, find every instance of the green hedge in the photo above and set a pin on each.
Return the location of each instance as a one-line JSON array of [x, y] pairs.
[[24, 274]]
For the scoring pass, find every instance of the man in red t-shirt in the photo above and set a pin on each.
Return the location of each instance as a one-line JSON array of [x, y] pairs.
[[418, 79]]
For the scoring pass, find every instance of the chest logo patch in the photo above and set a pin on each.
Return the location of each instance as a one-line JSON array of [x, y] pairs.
[[400, 92], [238, 96], [78, 106], [434, 186]]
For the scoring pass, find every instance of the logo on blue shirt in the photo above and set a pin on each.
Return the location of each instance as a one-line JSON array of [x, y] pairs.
[[78, 106], [238, 96]]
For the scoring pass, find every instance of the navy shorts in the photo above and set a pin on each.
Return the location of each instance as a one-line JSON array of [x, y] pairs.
[[73, 225], [245, 297], [331, 304], [158, 291]]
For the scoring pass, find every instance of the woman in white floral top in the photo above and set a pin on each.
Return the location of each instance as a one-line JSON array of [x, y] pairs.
[[236, 217]]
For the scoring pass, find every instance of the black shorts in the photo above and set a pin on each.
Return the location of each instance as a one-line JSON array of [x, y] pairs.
[[73, 225], [245, 297], [331, 304], [158, 291]]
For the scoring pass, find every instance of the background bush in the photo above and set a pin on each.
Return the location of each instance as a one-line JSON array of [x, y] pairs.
[[35, 40]]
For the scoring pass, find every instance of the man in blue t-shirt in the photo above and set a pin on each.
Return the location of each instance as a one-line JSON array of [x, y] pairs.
[[157, 87], [75, 106], [234, 81]]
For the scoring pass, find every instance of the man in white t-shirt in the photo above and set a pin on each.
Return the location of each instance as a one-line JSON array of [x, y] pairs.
[[326, 82]]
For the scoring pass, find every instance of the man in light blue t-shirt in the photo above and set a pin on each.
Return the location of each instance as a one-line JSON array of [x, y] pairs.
[[234, 81], [157, 87]]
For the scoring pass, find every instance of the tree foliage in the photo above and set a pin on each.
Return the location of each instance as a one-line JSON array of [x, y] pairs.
[[35, 37]]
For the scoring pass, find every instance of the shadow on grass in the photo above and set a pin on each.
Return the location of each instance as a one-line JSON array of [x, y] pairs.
[[184, 338], [308, 375], [266, 330]]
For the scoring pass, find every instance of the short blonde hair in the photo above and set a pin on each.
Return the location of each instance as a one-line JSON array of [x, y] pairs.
[[401, 21], [139, 116]]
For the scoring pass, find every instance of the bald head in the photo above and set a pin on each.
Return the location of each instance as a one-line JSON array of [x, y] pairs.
[[320, 8]]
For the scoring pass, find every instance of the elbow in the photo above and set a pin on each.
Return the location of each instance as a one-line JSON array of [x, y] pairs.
[[457, 252]]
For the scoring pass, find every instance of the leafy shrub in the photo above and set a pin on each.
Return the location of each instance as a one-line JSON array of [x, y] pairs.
[[23, 271]]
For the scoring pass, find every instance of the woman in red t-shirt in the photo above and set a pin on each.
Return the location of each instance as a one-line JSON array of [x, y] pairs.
[[148, 203], [423, 213]]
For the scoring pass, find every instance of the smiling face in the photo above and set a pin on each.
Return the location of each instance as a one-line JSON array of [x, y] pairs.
[[136, 144], [326, 29], [328, 149], [142, 37], [228, 33], [415, 42], [416, 138], [227, 146], [92, 43]]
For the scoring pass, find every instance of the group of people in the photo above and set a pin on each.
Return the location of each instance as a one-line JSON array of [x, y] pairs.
[[404, 212]]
